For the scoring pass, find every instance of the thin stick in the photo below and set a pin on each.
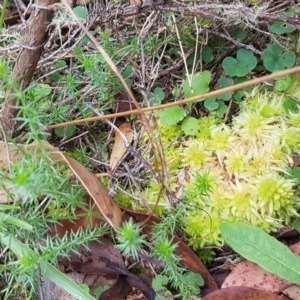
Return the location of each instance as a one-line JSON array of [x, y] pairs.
[[184, 101]]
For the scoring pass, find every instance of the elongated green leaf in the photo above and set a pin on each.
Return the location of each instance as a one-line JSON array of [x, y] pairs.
[[254, 244], [14, 221], [47, 270]]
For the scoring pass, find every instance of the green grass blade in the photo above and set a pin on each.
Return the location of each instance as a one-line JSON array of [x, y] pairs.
[[47, 270], [256, 245], [14, 221]]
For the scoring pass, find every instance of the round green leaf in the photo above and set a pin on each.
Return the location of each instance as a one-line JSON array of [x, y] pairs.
[[239, 34], [229, 65], [190, 126], [211, 104], [171, 115], [275, 60], [80, 12], [207, 54], [281, 28], [200, 84]]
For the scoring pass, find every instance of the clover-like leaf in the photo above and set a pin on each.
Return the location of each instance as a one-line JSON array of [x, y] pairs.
[[211, 104], [200, 84], [281, 28], [190, 126], [157, 96], [275, 60], [224, 82], [239, 34], [244, 63], [171, 115]]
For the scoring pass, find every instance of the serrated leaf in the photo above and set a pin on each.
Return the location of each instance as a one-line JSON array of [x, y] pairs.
[[200, 84], [275, 60], [171, 115], [80, 12], [256, 245], [190, 126], [281, 28]]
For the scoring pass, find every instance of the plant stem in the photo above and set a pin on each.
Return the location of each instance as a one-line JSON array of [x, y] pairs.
[[3, 13]]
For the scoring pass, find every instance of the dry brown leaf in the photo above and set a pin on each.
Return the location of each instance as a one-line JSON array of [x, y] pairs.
[[249, 274], [109, 209], [241, 293], [94, 187], [120, 148]]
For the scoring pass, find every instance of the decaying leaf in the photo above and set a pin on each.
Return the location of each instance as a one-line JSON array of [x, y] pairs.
[[94, 187], [249, 274], [104, 258], [120, 148], [242, 293], [96, 190]]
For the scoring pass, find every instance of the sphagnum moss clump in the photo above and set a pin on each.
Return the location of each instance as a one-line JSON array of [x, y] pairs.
[[234, 172]]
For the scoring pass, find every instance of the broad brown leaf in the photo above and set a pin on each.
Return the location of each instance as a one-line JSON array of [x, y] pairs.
[[241, 293]]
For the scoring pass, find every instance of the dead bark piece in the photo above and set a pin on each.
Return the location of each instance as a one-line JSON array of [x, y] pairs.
[[32, 46]]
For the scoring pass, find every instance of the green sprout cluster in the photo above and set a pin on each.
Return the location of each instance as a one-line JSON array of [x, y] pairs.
[[236, 172]]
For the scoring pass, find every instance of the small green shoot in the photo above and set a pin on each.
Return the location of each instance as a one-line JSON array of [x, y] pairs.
[[157, 96]]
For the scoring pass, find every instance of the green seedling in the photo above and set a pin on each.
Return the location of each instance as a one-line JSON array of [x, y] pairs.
[[157, 96]]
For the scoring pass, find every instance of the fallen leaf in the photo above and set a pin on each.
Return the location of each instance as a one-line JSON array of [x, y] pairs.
[[120, 148], [104, 258], [249, 274], [109, 209], [241, 293]]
